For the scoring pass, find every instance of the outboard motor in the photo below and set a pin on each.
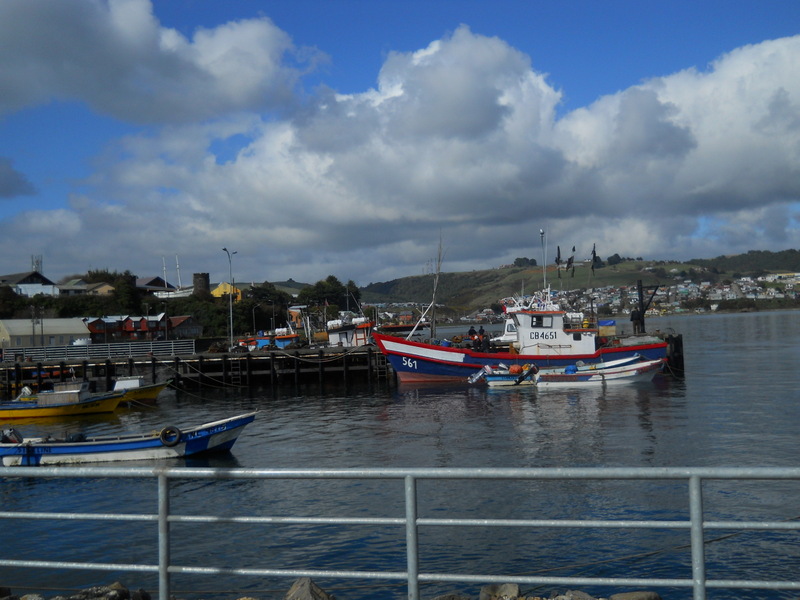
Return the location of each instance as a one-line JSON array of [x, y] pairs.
[[12, 436]]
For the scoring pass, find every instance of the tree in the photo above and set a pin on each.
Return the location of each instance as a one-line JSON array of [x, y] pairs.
[[10, 302], [524, 262], [328, 291], [267, 292], [126, 295]]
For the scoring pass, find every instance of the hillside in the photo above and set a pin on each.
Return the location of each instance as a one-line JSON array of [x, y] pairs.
[[479, 289], [290, 286], [472, 290]]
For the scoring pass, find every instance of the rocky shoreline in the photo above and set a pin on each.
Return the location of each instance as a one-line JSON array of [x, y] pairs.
[[306, 589]]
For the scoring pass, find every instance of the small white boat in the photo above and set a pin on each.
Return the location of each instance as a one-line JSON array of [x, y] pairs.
[[169, 442], [622, 371]]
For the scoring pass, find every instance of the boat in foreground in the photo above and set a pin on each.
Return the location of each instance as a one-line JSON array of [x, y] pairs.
[[169, 442], [623, 371], [69, 401]]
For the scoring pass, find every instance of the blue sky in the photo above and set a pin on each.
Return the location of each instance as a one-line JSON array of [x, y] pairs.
[[348, 137]]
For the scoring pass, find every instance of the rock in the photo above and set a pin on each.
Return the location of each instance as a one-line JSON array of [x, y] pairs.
[[452, 597], [576, 595], [505, 591], [635, 596], [32, 597], [305, 589]]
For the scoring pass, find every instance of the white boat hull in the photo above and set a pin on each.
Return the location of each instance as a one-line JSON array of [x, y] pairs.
[[624, 373]]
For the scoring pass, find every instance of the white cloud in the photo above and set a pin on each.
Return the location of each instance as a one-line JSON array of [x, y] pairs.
[[115, 57], [459, 139]]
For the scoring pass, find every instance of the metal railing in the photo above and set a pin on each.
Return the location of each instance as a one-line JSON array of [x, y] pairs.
[[411, 521], [116, 350]]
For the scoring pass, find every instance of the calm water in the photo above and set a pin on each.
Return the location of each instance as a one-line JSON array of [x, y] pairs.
[[738, 406]]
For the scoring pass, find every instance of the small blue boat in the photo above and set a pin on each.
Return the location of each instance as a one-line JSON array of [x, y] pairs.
[[169, 442]]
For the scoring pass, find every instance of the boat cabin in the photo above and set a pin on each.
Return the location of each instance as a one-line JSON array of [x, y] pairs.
[[553, 332]]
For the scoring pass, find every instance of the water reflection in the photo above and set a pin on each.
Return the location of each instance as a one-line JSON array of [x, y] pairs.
[[736, 407]]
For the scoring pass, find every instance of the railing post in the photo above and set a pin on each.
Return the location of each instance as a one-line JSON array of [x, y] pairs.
[[412, 553], [698, 547], [163, 537]]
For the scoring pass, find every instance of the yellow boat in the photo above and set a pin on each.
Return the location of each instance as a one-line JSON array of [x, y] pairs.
[[136, 390], [65, 402]]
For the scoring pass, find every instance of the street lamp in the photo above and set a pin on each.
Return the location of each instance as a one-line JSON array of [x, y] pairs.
[[230, 297]]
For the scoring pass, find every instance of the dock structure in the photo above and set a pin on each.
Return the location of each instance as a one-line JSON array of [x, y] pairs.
[[247, 369], [192, 371]]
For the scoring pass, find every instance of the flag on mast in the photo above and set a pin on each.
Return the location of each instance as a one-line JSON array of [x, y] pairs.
[[558, 262]]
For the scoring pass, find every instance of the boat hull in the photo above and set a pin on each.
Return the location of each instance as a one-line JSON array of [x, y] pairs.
[[602, 376], [145, 394], [25, 409], [416, 362], [217, 436]]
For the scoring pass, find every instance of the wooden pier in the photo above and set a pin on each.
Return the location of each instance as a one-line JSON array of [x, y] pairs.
[[212, 370]]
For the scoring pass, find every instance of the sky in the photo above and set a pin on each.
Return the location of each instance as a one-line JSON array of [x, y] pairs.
[[355, 137]]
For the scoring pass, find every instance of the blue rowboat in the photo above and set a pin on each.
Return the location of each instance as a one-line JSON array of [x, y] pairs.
[[169, 442]]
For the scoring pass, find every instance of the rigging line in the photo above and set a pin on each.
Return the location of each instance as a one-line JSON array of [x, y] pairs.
[[222, 383]]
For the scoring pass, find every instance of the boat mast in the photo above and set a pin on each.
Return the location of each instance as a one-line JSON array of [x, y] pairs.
[[178, 268], [432, 305], [544, 256]]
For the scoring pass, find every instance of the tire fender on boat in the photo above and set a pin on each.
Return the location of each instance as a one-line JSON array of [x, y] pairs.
[[170, 436]]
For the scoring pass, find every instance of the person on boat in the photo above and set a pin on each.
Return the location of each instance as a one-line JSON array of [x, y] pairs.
[[476, 343], [484, 342], [636, 321], [472, 333], [481, 331]]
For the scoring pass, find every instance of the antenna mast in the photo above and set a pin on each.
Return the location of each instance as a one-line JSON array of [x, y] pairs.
[[544, 256]]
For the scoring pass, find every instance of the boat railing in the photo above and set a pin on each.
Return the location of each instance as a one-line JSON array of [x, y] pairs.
[[692, 518], [579, 322]]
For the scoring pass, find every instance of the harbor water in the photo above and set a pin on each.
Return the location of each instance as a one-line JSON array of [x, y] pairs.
[[737, 406]]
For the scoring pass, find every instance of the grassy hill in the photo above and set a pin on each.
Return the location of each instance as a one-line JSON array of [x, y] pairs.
[[290, 286]]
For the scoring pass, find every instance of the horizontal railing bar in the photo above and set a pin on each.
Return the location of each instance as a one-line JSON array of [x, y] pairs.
[[688, 582], [752, 525], [399, 575], [599, 473], [572, 523], [78, 516], [290, 520], [55, 564], [554, 523]]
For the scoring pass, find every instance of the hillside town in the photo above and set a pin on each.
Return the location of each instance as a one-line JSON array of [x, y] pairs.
[[685, 296]]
